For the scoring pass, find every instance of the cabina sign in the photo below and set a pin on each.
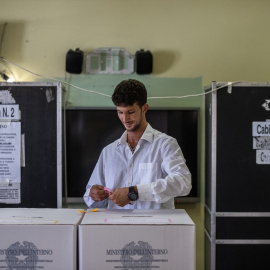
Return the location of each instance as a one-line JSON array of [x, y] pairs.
[[261, 141], [261, 128]]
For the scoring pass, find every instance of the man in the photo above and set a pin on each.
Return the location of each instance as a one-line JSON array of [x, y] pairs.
[[144, 169]]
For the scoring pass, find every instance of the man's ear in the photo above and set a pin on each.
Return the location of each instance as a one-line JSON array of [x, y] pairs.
[[145, 108]]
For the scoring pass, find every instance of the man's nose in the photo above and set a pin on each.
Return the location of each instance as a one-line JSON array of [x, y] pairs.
[[125, 117]]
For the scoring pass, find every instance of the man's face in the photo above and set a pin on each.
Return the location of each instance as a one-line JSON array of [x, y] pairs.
[[132, 117]]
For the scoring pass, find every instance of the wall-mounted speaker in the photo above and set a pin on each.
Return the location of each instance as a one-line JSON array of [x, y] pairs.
[[74, 61], [143, 62]]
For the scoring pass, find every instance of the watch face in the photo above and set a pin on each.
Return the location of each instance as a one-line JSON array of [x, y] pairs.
[[133, 196]]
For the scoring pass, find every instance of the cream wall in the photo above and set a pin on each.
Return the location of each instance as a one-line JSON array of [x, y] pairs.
[[212, 39], [219, 40]]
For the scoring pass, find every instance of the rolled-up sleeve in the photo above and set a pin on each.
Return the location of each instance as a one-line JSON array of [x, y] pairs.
[[177, 177]]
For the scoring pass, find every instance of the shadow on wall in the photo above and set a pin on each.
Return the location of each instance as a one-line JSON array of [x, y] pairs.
[[163, 61], [11, 38]]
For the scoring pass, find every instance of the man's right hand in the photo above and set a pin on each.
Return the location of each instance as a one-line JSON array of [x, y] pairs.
[[97, 193]]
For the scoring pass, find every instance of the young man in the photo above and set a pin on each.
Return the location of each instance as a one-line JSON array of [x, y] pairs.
[[144, 169]]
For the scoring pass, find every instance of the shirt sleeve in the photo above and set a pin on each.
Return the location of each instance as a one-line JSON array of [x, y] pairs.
[[96, 178], [177, 180]]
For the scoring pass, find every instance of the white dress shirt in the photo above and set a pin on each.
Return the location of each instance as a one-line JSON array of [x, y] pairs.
[[157, 168]]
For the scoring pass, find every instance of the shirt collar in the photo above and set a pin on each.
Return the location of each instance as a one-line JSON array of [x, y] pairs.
[[148, 135]]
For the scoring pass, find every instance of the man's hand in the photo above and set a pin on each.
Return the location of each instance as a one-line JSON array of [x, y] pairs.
[[97, 193], [120, 196]]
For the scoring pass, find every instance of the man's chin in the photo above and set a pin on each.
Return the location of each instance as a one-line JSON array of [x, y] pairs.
[[131, 129]]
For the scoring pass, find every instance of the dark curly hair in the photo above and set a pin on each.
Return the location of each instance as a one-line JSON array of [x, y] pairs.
[[128, 92]]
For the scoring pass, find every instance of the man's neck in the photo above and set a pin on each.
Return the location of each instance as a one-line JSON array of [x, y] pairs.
[[133, 137]]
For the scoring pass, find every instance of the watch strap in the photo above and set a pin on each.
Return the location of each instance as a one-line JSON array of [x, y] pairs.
[[132, 189]]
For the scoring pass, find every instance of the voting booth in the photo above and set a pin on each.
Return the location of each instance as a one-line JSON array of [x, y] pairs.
[[38, 238], [137, 239], [237, 174], [30, 145]]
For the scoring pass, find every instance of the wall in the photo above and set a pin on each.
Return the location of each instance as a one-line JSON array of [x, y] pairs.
[[206, 40], [218, 40]]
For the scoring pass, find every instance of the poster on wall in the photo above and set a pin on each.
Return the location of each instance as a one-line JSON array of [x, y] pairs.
[[10, 154]]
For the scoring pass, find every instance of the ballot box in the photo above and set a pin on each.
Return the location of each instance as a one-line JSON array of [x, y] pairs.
[[38, 238], [137, 239]]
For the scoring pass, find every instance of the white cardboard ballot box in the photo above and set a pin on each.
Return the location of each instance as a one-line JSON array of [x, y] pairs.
[[38, 238], [137, 239]]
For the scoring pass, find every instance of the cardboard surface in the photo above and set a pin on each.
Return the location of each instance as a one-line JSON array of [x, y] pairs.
[[137, 239], [137, 216], [38, 238]]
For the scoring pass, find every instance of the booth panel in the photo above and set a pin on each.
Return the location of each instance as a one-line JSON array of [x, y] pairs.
[[241, 256], [242, 180], [243, 227]]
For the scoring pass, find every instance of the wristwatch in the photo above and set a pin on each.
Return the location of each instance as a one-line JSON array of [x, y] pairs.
[[132, 194]]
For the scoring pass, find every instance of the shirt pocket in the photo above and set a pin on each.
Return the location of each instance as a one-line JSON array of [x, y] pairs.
[[147, 172]]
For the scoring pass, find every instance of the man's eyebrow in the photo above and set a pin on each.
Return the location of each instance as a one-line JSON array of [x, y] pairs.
[[119, 110]]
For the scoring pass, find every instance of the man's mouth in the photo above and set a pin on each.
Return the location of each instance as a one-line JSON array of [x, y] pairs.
[[128, 124]]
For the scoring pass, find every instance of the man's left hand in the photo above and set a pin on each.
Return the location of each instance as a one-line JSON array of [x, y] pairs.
[[120, 196]]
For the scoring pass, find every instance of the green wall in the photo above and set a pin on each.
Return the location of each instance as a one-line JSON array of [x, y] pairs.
[[156, 87]]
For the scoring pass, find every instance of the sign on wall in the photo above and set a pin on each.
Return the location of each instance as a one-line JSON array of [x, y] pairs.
[[10, 154]]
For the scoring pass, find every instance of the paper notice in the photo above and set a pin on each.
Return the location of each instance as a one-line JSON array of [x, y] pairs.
[[10, 151]]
